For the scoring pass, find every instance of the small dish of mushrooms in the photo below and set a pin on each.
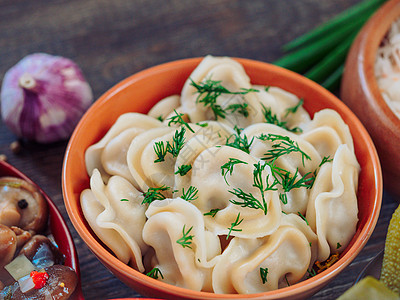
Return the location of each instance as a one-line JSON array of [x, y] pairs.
[[33, 265]]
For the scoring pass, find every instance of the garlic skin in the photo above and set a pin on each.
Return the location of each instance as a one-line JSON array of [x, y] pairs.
[[43, 97]]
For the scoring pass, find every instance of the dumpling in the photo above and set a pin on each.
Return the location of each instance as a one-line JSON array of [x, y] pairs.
[[294, 162], [250, 266], [332, 209], [216, 190], [165, 107], [109, 164], [185, 252], [108, 209], [232, 76], [284, 105]]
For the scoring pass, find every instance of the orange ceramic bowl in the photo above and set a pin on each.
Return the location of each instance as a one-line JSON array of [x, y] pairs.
[[58, 227], [139, 93], [359, 90]]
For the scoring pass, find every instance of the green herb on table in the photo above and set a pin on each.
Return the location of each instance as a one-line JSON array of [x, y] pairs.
[[320, 54]]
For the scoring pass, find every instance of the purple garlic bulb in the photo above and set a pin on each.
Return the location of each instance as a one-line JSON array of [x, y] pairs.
[[43, 97]]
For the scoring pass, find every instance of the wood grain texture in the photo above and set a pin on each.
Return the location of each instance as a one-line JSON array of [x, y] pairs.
[[111, 40]]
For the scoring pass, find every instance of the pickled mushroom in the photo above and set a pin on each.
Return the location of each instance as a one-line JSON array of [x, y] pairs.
[[8, 245], [60, 285], [22, 205]]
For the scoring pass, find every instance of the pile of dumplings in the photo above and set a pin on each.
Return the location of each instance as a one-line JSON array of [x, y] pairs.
[[214, 240]]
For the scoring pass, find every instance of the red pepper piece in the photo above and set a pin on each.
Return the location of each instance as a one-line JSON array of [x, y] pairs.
[[39, 279]]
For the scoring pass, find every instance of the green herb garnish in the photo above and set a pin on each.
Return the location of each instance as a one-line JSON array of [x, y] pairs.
[[325, 159], [153, 194], [228, 167], [263, 275], [273, 119], [241, 108], [186, 240], [303, 217], [234, 224], [338, 245], [293, 109], [177, 119], [239, 141], [212, 212], [154, 273], [191, 193], [124, 199], [161, 150], [283, 146], [210, 90], [183, 169]]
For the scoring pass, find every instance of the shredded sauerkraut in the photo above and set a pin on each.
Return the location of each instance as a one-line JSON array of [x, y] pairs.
[[387, 67]]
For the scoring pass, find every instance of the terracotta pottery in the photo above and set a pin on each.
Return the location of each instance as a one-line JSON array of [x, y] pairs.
[[139, 93], [359, 90]]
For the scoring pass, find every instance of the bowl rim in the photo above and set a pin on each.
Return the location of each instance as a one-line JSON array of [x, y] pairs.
[[57, 218], [301, 287]]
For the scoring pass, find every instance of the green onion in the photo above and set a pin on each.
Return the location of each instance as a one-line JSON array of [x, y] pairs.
[[346, 17]]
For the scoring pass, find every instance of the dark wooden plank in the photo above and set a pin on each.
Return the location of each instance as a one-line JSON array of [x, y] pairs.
[[111, 40]]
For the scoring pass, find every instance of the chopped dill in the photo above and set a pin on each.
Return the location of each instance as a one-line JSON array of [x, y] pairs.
[[325, 159], [239, 141], [303, 217], [161, 150], [177, 119], [234, 224], [293, 109], [183, 169], [160, 118], [284, 145], [124, 199], [154, 273], [186, 240], [191, 193], [228, 167], [212, 212], [153, 194], [241, 108], [210, 90], [263, 275], [273, 119]]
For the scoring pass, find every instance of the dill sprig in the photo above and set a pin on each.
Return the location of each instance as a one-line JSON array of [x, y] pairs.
[[228, 167], [263, 275], [303, 217], [212, 212], [210, 90], [234, 224], [190, 194], [239, 141], [183, 169], [177, 119], [288, 181], [248, 199], [293, 109], [241, 108], [325, 159], [161, 150], [284, 145], [311, 272], [178, 141], [154, 273], [153, 194], [273, 119], [160, 118], [186, 240]]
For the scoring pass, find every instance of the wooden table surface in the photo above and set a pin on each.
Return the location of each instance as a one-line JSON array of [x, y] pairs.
[[111, 40]]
